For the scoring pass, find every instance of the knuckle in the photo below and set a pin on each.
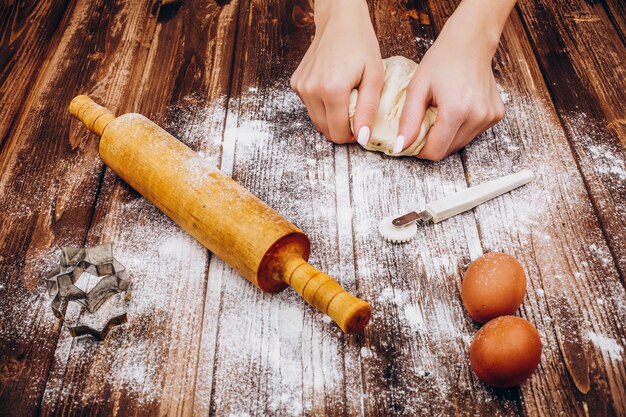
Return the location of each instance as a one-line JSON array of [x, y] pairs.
[[435, 155], [439, 155], [306, 88], [316, 124], [499, 113], [482, 114], [338, 135], [339, 141], [413, 88], [332, 87], [367, 108], [323, 130], [331, 136], [460, 109]]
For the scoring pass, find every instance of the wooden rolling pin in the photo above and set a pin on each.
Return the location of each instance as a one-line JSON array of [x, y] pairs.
[[225, 217]]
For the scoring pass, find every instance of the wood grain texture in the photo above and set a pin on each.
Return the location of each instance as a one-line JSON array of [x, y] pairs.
[[567, 280], [616, 10], [250, 236], [185, 78], [588, 86], [24, 46], [416, 346], [48, 183], [272, 354], [203, 341]]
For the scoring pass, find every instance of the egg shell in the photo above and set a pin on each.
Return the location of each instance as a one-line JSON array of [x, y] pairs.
[[505, 351], [494, 285]]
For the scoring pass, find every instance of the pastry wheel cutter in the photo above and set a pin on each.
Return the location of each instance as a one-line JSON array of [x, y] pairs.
[[402, 229]]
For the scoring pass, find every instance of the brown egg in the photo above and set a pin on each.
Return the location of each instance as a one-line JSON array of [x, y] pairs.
[[506, 351], [493, 286]]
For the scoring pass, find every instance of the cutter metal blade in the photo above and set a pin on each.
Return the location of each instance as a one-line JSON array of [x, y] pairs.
[[412, 217]]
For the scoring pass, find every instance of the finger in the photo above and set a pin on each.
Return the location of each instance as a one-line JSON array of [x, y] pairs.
[[466, 133], [470, 130], [440, 136], [336, 105], [314, 107], [465, 136], [367, 102], [317, 113], [417, 100]]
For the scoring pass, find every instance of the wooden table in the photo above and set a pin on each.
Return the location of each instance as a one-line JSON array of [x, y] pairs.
[[202, 340]]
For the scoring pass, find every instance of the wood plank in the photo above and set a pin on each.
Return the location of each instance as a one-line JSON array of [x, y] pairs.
[[23, 49], [575, 296], [275, 355], [150, 366], [415, 350], [240, 351], [616, 10], [49, 183], [583, 63]]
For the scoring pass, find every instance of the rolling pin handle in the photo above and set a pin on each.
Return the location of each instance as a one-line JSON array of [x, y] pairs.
[[94, 116], [322, 292]]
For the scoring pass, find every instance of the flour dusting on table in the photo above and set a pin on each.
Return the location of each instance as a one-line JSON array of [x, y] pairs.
[[272, 353], [607, 345]]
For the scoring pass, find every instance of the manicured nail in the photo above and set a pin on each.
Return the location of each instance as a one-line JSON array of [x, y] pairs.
[[364, 136], [398, 145]]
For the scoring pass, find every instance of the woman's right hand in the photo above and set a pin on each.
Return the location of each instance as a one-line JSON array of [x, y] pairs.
[[344, 55]]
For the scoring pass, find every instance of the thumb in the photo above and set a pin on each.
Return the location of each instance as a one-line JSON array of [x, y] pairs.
[[417, 101], [367, 103]]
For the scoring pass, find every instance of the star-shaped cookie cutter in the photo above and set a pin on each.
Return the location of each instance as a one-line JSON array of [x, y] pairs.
[[99, 262]]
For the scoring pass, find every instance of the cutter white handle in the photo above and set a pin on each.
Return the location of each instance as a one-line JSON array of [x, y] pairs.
[[468, 199]]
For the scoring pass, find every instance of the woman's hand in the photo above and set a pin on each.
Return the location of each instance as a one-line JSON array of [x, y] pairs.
[[343, 55], [455, 76]]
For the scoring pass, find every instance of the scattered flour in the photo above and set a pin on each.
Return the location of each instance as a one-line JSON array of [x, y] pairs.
[[504, 96], [414, 317], [424, 42], [395, 296], [609, 347], [135, 372], [298, 353], [607, 162], [366, 353]]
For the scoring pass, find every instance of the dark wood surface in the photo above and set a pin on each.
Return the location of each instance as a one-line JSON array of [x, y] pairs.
[[202, 340]]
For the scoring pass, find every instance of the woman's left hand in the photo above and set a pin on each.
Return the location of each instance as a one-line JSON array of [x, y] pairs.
[[455, 76]]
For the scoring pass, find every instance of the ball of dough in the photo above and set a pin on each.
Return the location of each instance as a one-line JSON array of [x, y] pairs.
[[398, 73]]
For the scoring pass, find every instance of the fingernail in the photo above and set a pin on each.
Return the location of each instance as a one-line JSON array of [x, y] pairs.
[[364, 136], [398, 145]]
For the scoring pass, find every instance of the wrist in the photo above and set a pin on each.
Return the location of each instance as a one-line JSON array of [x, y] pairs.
[[479, 23], [324, 10]]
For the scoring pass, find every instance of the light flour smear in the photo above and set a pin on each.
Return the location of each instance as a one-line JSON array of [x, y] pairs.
[[272, 354]]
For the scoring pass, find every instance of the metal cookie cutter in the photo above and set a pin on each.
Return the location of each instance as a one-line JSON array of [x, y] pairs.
[[99, 262]]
